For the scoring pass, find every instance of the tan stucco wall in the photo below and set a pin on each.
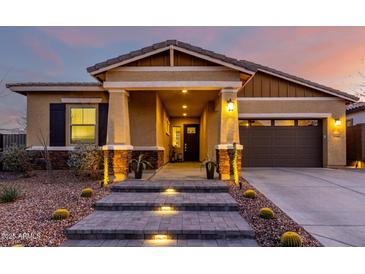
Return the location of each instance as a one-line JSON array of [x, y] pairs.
[[163, 138], [142, 115], [38, 111], [334, 138], [172, 76]]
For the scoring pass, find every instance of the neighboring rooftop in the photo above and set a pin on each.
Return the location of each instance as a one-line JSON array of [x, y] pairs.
[[360, 106]]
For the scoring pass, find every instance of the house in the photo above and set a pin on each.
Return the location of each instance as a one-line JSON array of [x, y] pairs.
[[355, 114], [176, 95]]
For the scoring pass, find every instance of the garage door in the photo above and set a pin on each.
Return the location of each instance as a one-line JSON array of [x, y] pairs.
[[281, 143]]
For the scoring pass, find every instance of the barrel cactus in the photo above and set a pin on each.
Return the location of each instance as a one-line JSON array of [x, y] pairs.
[[291, 239], [61, 214], [266, 213], [87, 192], [250, 193]]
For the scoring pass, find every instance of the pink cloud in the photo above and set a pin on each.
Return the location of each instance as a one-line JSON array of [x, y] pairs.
[[45, 53]]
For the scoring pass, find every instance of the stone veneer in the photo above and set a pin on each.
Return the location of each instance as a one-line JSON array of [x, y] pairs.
[[224, 160], [58, 159], [154, 157], [118, 164]]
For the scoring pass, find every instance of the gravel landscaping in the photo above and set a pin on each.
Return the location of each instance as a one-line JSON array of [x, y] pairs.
[[28, 221], [267, 232]]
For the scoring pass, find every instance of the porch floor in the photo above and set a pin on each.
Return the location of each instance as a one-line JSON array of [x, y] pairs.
[[180, 171]]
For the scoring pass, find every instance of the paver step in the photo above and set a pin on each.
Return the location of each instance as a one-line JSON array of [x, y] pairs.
[[177, 185], [146, 224], [168, 243], [177, 201]]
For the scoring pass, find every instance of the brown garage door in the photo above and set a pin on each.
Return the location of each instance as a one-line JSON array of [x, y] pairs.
[[281, 143]]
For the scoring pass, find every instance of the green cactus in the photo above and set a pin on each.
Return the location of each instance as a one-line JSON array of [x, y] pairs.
[[250, 193], [291, 239], [266, 213], [235, 165], [87, 192], [61, 214]]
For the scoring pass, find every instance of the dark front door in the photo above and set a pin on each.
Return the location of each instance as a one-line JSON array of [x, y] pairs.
[[191, 142]]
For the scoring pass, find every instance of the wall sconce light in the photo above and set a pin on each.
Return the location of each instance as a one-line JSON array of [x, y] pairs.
[[337, 122], [230, 105]]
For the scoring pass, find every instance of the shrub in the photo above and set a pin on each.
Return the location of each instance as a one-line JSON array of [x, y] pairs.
[[61, 214], [85, 160], [250, 193], [291, 239], [266, 213], [9, 194], [87, 192], [16, 158]]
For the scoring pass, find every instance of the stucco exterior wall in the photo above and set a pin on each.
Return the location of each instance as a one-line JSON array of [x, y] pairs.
[[162, 128], [358, 117], [334, 138], [209, 131], [38, 111], [142, 115]]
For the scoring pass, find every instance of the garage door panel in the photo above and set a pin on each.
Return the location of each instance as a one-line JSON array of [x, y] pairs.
[[282, 146]]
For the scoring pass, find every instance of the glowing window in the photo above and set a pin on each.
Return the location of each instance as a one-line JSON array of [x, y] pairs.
[[83, 125], [176, 136], [284, 123], [307, 123], [244, 123], [191, 130], [260, 123]]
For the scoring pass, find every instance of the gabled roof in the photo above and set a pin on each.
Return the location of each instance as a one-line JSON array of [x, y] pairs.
[[241, 65], [360, 106]]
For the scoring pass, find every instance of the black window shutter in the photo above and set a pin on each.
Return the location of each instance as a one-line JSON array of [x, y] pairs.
[[57, 127], [103, 123]]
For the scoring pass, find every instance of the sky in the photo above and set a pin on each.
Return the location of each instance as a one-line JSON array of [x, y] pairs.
[[333, 56]]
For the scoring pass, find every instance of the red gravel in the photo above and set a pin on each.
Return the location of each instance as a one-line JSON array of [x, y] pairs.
[[28, 221], [267, 232]]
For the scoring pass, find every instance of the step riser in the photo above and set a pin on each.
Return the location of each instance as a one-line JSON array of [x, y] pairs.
[[157, 207], [182, 189], [186, 236]]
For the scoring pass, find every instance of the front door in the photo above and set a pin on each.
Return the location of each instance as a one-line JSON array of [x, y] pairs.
[[191, 142]]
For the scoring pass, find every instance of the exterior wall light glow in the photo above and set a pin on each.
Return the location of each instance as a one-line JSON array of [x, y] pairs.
[[184, 91], [184, 106], [184, 114], [230, 105], [337, 122]]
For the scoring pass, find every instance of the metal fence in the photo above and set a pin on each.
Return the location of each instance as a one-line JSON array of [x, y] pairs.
[[7, 140]]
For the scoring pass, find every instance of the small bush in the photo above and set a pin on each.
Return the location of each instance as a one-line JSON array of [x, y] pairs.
[[86, 160], [16, 158], [87, 192], [61, 214], [291, 239], [266, 213], [250, 193], [9, 194]]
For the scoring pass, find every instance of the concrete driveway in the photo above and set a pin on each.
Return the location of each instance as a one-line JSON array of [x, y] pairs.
[[329, 203]]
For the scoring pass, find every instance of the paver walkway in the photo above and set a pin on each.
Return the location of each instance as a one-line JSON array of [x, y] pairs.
[[143, 213]]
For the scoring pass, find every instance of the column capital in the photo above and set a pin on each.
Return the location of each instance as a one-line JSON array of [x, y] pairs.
[[229, 90], [118, 91]]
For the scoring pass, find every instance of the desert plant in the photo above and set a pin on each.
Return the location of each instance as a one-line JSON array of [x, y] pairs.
[[16, 158], [138, 165], [61, 214], [250, 193], [87, 192], [85, 160], [235, 165], [266, 213], [291, 239], [9, 194], [45, 155]]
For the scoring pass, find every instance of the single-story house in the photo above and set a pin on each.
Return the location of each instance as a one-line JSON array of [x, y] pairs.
[[176, 97], [355, 114]]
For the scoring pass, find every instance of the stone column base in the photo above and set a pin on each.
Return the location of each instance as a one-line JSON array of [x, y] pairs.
[[118, 158], [225, 154]]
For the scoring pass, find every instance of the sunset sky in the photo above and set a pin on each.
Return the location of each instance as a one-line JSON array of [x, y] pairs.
[[333, 56]]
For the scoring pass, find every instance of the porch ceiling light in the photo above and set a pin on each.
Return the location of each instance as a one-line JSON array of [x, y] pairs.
[[184, 106], [230, 105], [184, 114], [184, 91], [337, 122]]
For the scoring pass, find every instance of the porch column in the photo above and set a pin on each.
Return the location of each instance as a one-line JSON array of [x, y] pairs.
[[228, 133], [118, 141]]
